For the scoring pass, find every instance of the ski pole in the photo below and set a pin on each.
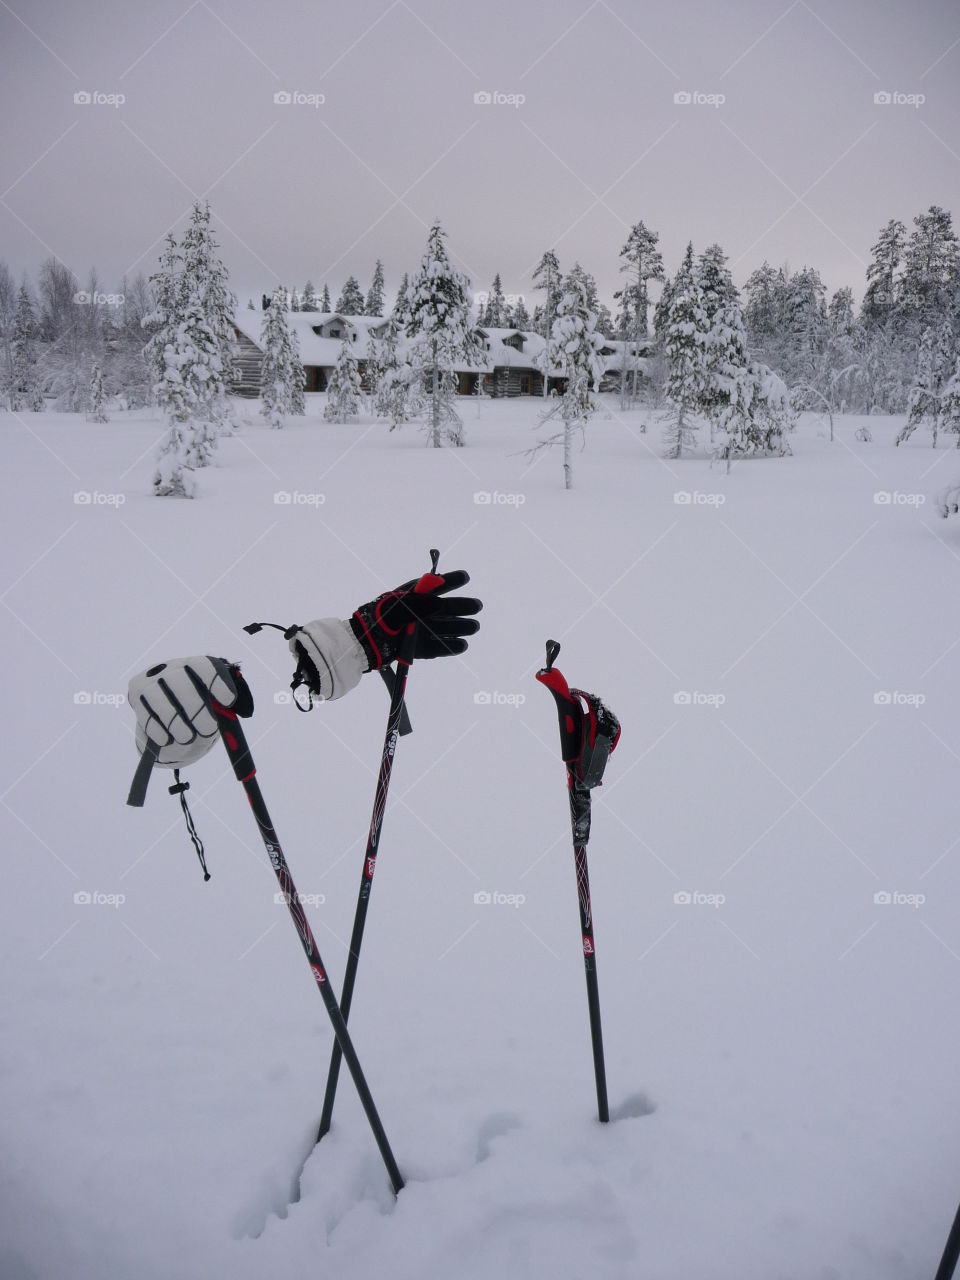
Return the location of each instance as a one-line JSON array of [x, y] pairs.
[[587, 737], [394, 729], [951, 1252], [245, 770]]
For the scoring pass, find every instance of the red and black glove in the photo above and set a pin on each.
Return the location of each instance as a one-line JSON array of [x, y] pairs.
[[443, 621]]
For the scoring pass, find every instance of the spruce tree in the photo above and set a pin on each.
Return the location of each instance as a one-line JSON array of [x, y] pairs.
[[24, 380], [281, 377], [97, 397], [884, 285], [309, 300], [442, 336], [374, 303], [521, 317], [350, 302], [205, 278], [493, 313], [574, 349], [325, 301], [685, 347], [923, 402], [343, 390]]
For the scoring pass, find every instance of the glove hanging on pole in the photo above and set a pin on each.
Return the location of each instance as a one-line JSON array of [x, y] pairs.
[[332, 654], [175, 726]]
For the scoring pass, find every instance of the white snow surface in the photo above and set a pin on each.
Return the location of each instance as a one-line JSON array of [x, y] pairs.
[[782, 1066]]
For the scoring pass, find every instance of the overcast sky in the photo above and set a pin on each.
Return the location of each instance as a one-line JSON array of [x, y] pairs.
[[797, 164]]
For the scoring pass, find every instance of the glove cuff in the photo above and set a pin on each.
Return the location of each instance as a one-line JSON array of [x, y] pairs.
[[335, 653]]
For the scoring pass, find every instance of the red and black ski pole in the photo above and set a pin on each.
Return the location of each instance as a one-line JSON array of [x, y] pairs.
[[588, 734], [395, 727], [243, 766]]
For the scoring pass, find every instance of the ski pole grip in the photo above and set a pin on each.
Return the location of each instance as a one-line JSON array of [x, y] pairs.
[[233, 736], [569, 710]]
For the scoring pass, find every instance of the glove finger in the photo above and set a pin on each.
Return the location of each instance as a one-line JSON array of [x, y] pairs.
[[442, 608], [440, 647], [450, 627], [452, 581]]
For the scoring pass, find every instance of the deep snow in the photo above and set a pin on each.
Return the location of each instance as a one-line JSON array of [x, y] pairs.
[[783, 1064]]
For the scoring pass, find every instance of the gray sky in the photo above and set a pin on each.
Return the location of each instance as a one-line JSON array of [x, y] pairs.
[[798, 164]]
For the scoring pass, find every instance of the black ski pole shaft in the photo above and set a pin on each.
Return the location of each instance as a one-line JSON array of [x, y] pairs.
[[584, 752], [589, 952], [951, 1252], [397, 724], [394, 720], [243, 766]]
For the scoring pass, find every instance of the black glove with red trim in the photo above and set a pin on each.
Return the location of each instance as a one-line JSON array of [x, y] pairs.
[[443, 621]]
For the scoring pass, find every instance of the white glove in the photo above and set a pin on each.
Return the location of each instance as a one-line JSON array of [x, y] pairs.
[[329, 656], [173, 715]]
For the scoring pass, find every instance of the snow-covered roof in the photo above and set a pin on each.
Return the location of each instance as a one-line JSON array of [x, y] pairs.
[[314, 348]]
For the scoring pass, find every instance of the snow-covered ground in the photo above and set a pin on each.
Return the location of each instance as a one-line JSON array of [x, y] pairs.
[[781, 1050]]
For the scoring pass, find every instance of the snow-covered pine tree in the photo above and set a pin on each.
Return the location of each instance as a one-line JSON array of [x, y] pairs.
[[374, 303], [309, 300], [685, 345], [642, 262], [325, 301], [884, 285], [281, 377], [350, 302], [546, 279], [399, 394], [442, 336], [575, 346], [923, 402], [98, 395], [343, 390], [748, 404], [399, 313], [931, 267], [24, 379], [493, 312], [191, 361], [521, 316], [205, 278], [715, 280], [163, 321]]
